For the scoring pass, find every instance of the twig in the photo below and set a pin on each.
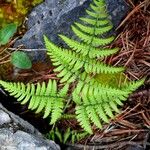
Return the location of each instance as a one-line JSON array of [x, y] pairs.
[[26, 50]]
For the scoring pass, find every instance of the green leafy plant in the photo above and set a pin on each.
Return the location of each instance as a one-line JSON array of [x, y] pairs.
[[21, 60], [7, 32], [80, 67], [67, 135]]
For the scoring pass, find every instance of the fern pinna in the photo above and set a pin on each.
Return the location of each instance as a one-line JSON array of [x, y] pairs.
[[96, 102], [40, 97]]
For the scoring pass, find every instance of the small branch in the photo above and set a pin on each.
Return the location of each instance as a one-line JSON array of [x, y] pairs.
[[26, 50]]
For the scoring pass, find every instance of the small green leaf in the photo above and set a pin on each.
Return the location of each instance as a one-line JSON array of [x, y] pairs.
[[7, 32], [21, 60]]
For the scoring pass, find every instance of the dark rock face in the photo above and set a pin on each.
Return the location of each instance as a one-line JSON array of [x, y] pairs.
[[53, 17]]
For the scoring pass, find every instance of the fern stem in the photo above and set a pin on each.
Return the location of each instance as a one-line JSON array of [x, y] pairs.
[[89, 45], [68, 116], [68, 102]]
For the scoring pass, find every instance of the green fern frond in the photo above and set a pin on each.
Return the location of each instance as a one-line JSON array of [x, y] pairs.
[[101, 15], [95, 22], [100, 111], [83, 118], [99, 103], [84, 49], [95, 102], [76, 62], [41, 98], [98, 9], [99, 3], [132, 85], [57, 110], [93, 40], [96, 31]]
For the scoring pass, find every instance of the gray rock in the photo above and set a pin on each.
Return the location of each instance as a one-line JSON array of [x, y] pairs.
[[21, 140], [53, 17], [4, 118], [17, 134], [16, 122]]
